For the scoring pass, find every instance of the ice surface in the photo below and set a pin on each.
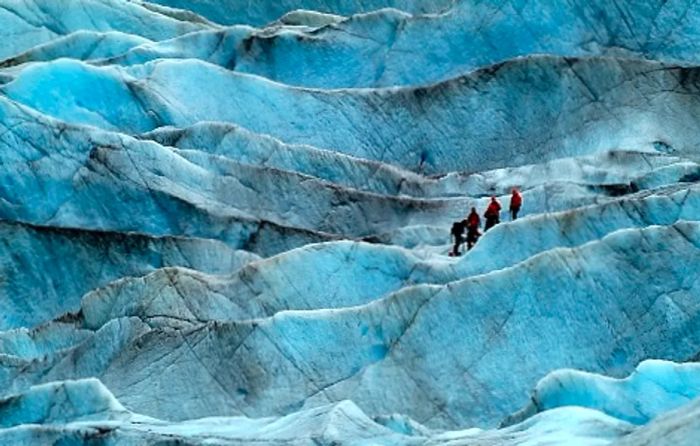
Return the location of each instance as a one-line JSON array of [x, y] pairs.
[[66, 263], [389, 47], [679, 427], [28, 23], [654, 388], [542, 107], [55, 403], [380, 48], [229, 223], [101, 416], [396, 346], [238, 11], [84, 45]]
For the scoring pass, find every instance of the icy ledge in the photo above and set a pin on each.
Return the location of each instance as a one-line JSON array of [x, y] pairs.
[[655, 387], [84, 411]]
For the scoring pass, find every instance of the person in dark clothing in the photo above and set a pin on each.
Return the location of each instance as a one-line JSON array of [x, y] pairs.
[[473, 223], [458, 228], [492, 214], [516, 200]]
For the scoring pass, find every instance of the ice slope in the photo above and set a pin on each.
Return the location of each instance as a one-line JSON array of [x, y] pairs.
[[85, 411], [235, 222], [237, 11], [472, 35], [46, 270], [396, 348], [87, 407], [59, 403], [84, 45], [655, 387], [28, 23], [389, 47], [542, 108], [677, 428], [383, 48], [320, 276], [60, 175], [244, 146], [390, 353], [612, 169], [160, 181], [672, 211]]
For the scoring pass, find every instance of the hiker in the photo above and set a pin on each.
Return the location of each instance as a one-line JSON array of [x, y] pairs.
[[492, 214], [516, 200], [458, 234], [473, 223]]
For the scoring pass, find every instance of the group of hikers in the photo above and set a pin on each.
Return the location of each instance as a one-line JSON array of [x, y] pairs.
[[471, 224]]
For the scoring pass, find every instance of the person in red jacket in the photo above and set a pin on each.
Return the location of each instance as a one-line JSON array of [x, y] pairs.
[[516, 200], [473, 223], [492, 214]]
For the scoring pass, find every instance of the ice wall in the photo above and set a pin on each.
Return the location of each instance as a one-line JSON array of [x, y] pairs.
[[226, 222]]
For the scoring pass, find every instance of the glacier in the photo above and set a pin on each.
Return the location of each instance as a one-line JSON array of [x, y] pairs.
[[227, 222]]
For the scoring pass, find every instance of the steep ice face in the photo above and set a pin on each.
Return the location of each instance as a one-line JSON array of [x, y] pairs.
[[47, 270]]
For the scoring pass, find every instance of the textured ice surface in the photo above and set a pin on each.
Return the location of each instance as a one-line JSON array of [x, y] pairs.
[[654, 388], [28, 23], [227, 222], [542, 108], [238, 11], [85, 411], [66, 263], [395, 347]]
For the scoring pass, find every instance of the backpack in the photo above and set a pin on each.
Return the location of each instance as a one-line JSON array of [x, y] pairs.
[[458, 228]]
